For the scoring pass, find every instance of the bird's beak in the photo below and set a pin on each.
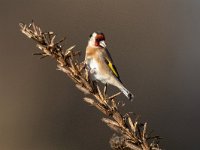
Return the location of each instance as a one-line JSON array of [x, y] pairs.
[[102, 44]]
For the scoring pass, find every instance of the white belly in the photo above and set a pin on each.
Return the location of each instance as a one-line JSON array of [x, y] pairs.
[[94, 65], [96, 72]]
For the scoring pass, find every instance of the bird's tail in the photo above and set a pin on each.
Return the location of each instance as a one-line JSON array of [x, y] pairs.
[[127, 93]]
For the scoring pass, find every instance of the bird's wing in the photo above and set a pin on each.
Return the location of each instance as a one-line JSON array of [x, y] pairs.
[[109, 62]]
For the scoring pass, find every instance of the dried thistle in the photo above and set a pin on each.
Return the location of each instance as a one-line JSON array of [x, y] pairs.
[[131, 135]]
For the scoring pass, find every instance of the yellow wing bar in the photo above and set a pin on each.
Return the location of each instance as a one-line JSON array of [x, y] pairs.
[[112, 67]]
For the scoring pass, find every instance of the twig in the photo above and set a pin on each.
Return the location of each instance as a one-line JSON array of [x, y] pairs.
[[131, 134]]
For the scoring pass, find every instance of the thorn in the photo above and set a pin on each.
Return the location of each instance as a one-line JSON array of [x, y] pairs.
[[30, 25], [115, 95], [52, 40], [34, 28], [38, 53], [99, 91], [83, 89], [40, 31], [60, 41], [24, 27], [89, 100], [21, 25], [50, 33], [44, 56], [70, 48]]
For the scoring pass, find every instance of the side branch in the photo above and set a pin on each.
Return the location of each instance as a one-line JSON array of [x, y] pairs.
[[130, 135]]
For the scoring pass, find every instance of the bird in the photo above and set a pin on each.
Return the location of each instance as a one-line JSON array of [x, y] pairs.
[[100, 63]]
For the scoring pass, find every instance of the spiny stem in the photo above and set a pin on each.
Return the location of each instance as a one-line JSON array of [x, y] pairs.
[[131, 134]]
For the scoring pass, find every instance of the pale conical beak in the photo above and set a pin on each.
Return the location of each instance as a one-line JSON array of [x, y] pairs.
[[102, 44]]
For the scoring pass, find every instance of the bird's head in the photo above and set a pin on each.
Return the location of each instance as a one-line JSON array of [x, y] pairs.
[[97, 39]]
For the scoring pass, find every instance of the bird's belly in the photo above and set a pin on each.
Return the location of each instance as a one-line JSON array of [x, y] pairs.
[[96, 72], [93, 65]]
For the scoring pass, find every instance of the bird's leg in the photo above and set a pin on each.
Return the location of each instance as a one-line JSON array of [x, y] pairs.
[[94, 86], [105, 89]]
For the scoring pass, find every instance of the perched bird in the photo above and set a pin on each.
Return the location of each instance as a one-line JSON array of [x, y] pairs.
[[100, 63]]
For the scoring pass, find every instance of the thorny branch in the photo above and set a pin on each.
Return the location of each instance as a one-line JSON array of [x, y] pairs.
[[130, 134]]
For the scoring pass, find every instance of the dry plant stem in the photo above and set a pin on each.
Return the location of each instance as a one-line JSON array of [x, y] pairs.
[[131, 135]]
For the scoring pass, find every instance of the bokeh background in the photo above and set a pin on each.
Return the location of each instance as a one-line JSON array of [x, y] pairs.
[[156, 48]]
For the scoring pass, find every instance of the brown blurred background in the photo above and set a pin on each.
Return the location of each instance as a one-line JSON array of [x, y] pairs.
[[155, 45]]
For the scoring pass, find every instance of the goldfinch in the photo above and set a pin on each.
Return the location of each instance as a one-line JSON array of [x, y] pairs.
[[100, 64]]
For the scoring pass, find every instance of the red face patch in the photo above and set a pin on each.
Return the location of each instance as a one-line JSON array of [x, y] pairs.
[[98, 38]]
